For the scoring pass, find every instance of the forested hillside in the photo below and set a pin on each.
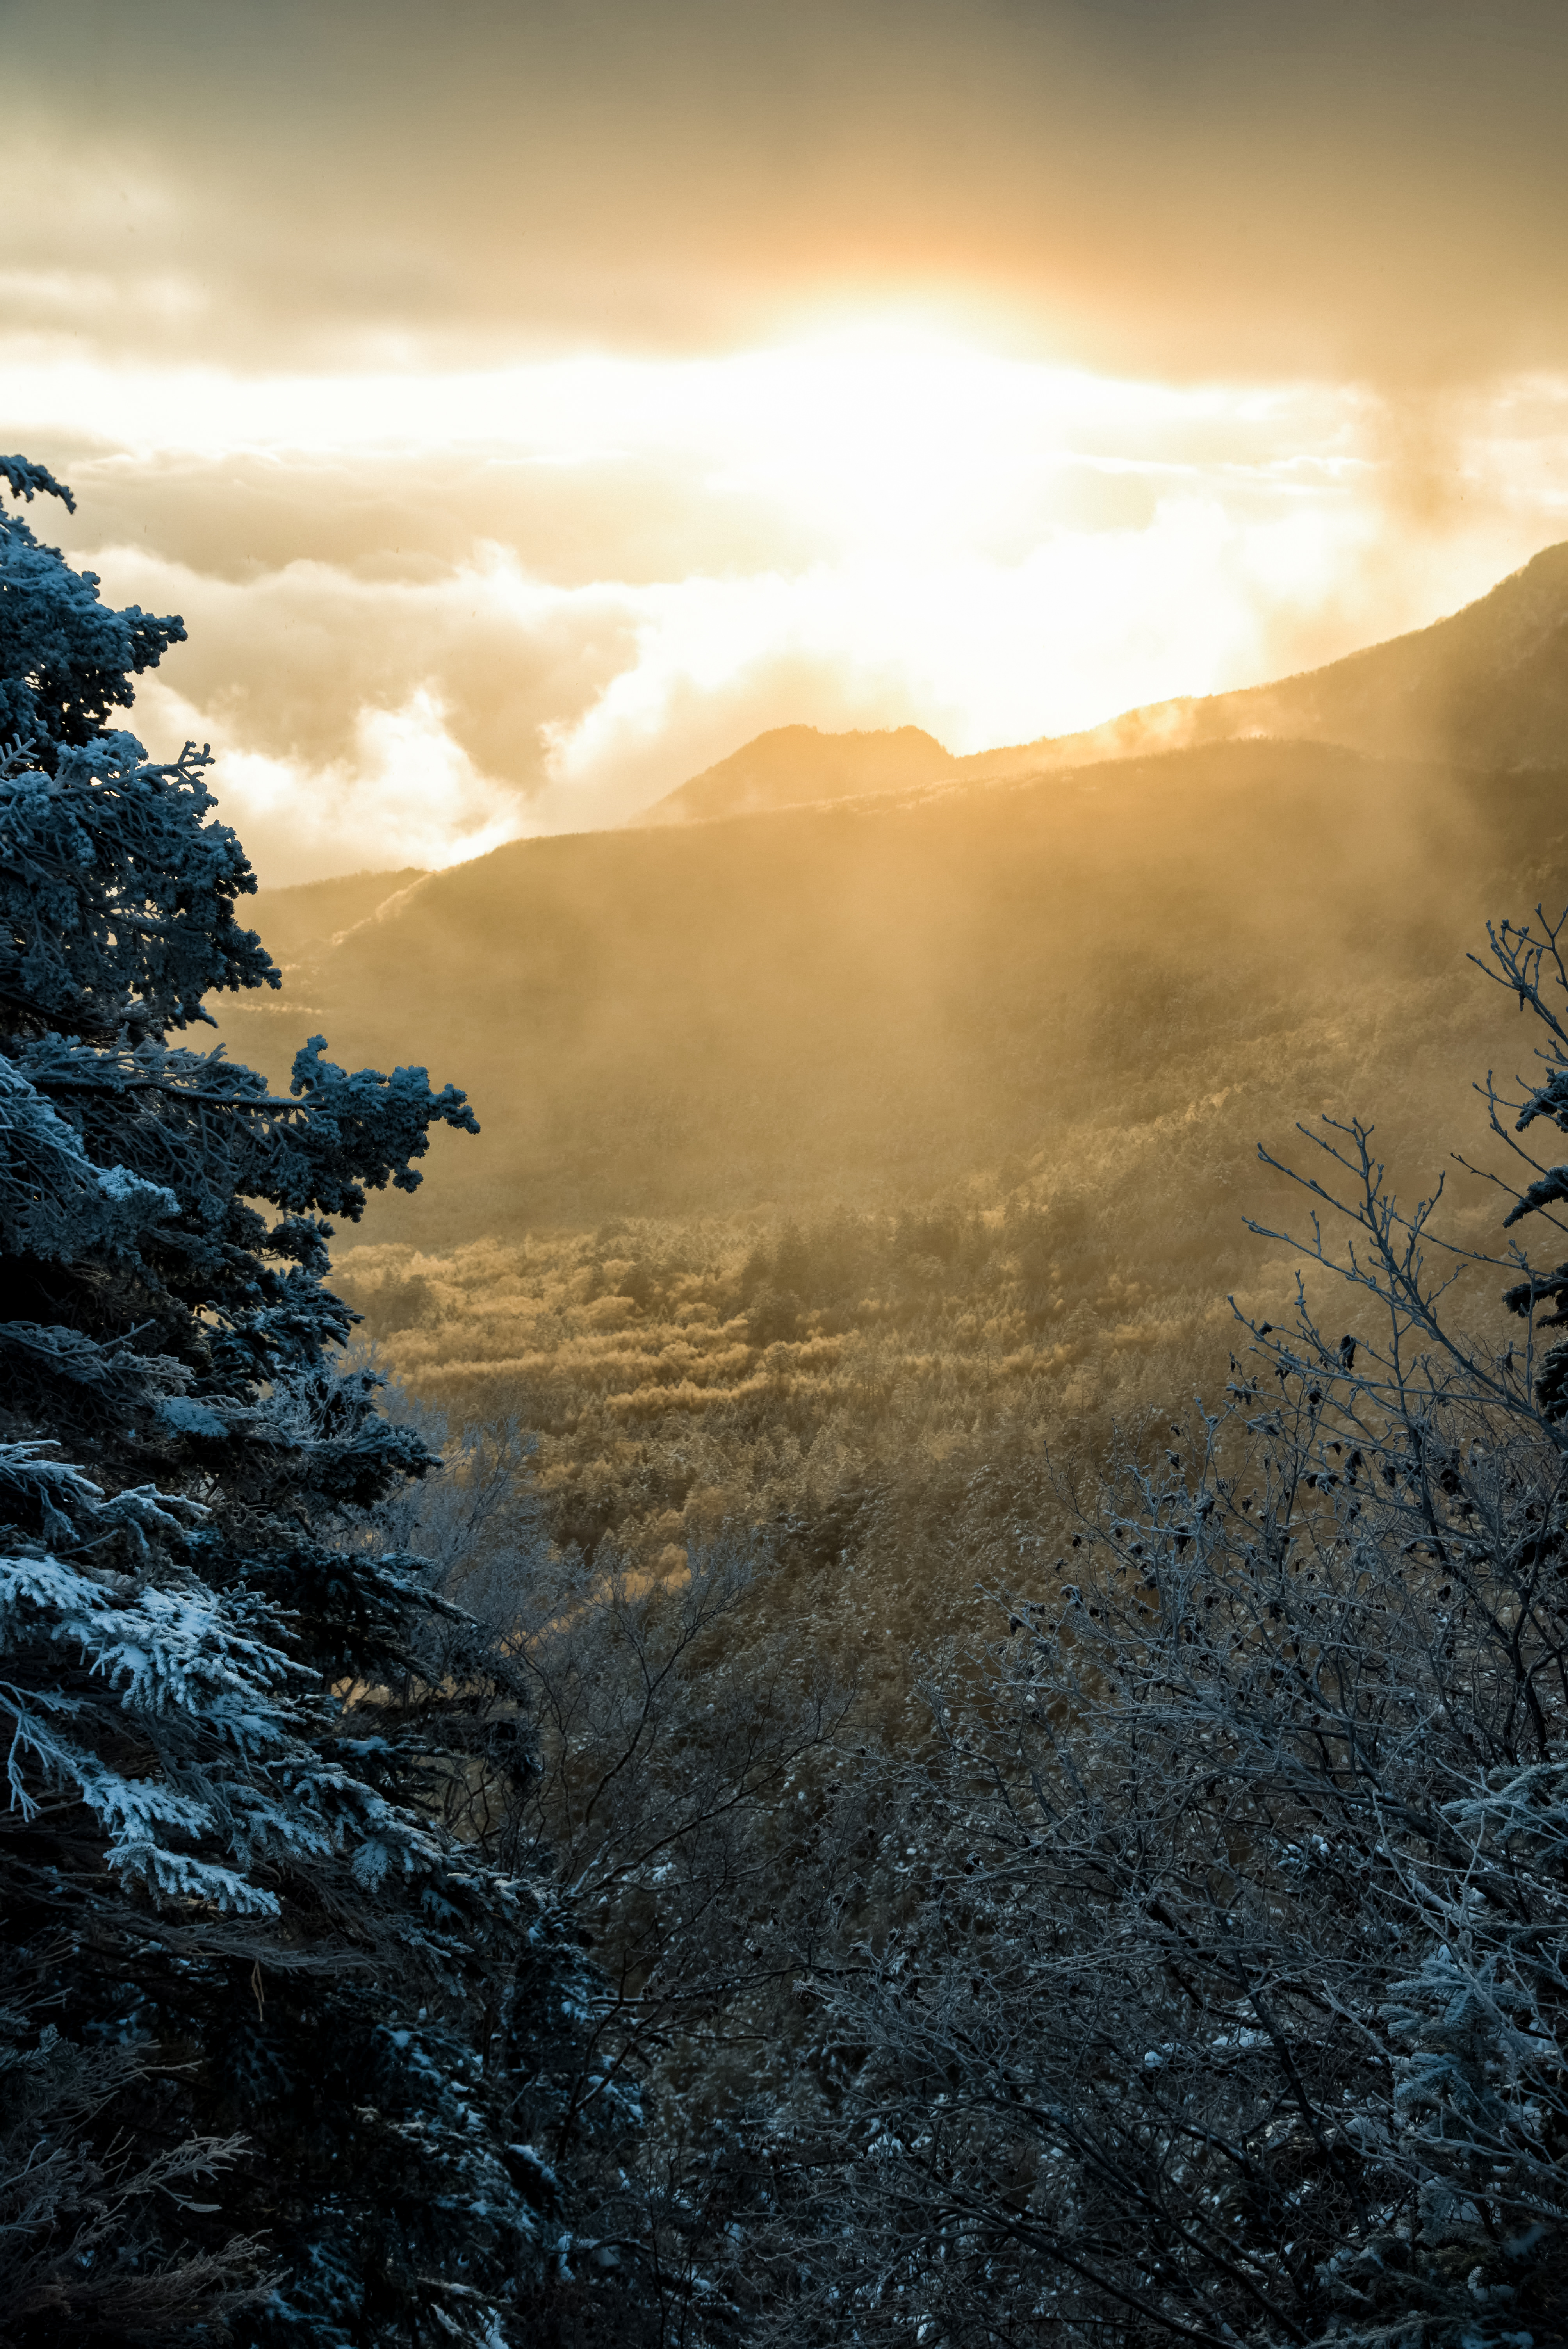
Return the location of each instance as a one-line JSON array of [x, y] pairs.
[[1044, 1024], [846, 1006]]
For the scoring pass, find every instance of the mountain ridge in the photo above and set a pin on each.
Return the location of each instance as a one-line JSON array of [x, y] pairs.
[[1431, 693], [881, 994], [1484, 687], [884, 992]]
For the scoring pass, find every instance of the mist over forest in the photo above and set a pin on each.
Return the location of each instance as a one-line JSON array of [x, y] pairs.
[[824, 1603], [867, 1142]]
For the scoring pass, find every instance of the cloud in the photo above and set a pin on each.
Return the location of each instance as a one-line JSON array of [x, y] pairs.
[[363, 722], [523, 416], [556, 591], [330, 694], [1241, 186], [401, 792]]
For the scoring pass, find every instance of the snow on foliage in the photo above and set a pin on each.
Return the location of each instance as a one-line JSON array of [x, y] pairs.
[[261, 1916], [1228, 1998]]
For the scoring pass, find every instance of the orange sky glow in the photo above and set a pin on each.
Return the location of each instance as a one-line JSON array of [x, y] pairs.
[[521, 426]]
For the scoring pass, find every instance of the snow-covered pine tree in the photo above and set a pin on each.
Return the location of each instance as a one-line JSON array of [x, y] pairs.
[[277, 2013]]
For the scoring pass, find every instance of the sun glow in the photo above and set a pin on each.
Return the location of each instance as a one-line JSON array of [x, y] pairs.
[[553, 590], [903, 440]]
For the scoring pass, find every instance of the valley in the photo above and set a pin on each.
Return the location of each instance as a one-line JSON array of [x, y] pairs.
[[852, 1151]]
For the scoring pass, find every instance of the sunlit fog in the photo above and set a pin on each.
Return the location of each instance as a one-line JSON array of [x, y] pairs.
[[526, 420], [437, 611]]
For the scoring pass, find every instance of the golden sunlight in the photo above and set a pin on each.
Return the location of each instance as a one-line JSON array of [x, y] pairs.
[[877, 522], [880, 1653]]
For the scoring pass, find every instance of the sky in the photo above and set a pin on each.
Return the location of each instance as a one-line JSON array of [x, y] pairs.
[[525, 405]]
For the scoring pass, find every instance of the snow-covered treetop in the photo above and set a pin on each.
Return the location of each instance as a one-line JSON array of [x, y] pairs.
[[65, 659], [116, 895]]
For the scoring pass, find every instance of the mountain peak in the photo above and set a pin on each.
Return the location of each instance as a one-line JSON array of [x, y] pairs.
[[792, 766]]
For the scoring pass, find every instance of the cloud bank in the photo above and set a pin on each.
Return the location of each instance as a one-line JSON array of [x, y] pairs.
[[1234, 186], [405, 650], [524, 416]]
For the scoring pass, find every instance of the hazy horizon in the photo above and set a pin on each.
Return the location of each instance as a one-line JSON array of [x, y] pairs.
[[523, 420]]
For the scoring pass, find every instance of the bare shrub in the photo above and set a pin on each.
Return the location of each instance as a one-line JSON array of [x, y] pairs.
[[1231, 2004]]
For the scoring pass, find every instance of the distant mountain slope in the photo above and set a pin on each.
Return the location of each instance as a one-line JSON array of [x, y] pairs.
[[884, 989], [794, 765], [299, 923], [881, 996], [1486, 688]]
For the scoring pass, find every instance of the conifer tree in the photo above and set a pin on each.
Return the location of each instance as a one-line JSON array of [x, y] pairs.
[[279, 2018]]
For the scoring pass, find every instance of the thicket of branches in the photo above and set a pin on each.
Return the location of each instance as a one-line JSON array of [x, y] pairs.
[[1202, 1975], [1232, 2001]]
